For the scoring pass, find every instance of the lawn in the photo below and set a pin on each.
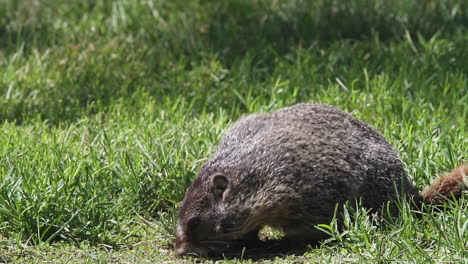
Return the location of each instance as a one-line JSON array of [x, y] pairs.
[[109, 107]]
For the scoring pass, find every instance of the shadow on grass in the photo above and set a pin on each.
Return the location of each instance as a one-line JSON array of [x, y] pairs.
[[272, 249], [144, 54], [233, 27], [265, 250]]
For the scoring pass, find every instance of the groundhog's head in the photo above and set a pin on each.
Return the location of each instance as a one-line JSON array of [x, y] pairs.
[[207, 221]]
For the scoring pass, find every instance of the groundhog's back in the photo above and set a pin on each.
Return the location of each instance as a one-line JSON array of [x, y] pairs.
[[312, 153]]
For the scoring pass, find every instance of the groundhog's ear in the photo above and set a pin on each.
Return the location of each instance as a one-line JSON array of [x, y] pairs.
[[219, 185]]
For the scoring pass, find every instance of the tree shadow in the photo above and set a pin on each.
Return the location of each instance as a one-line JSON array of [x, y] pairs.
[[248, 34], [233, 27]]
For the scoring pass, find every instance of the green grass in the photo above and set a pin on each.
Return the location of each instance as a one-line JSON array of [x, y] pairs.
[[108, 109]]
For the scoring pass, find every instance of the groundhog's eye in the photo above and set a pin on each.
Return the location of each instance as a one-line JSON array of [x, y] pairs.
[[193, 222], [219, 185]]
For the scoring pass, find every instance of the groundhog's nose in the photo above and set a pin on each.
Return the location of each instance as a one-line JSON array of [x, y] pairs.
[[182, 250], [186, 249], [182, 246]]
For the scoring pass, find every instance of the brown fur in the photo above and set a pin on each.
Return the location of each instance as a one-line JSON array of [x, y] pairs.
[[448, 185], [289, 169]]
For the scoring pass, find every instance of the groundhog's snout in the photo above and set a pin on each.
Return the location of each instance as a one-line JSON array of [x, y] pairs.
[[181, 244], [184, 248], [186, 239]]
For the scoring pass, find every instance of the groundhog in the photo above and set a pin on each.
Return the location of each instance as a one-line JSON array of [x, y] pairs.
[[289, 169]]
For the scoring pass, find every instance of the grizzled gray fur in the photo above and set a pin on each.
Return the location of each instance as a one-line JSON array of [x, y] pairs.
[[287, 169]]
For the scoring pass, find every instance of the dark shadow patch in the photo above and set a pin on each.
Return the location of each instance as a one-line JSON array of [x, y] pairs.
[[265, 250]]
